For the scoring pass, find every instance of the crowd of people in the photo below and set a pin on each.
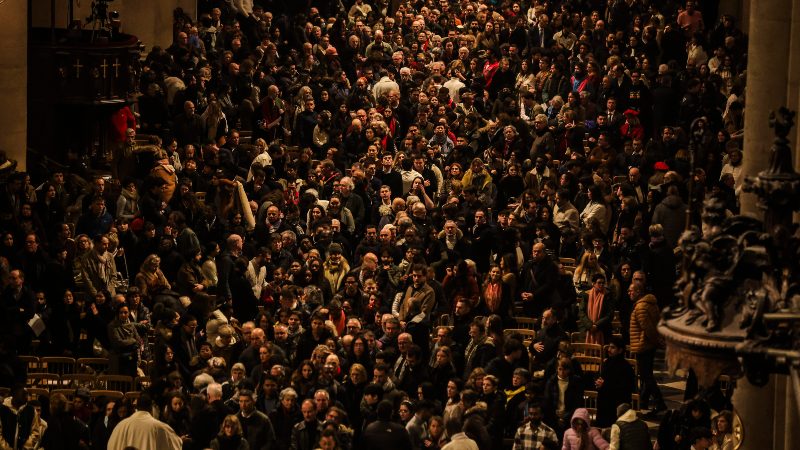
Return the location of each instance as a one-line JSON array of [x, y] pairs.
[[322, 217]]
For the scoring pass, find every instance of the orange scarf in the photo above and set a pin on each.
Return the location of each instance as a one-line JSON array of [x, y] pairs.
[[594, 307], [493, 294]]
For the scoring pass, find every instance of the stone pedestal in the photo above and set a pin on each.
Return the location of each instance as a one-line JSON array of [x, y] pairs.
[[754, 406], [14, 80], [767, 68]]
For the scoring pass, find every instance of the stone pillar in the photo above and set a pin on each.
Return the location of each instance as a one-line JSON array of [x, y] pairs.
[[791, 418], [767, 68], [755, 406], [14, 80]]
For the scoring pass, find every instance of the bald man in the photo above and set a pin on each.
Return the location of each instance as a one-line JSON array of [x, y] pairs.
[[540, 283]]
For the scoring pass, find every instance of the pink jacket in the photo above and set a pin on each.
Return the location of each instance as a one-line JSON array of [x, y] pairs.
[[572, 440]]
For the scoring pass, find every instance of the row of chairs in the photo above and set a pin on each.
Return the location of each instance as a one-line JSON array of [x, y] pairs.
[[73, 381], [35, 393], [62, 365]]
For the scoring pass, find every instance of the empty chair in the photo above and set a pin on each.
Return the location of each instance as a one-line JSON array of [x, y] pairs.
[[97, 365], [584, 349], [57, 364], [527, 323], [43, 380], [76, 380], [31, 361], [122, 383], [37, 393]]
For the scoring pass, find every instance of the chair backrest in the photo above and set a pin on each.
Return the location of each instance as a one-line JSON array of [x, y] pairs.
[[133, 395], [97, 365], [589, 364], [577, 336], [37, 393], [57, 364], [528, 323], [122, 383], [110, 394], [527, 335], [76, 380], [31, 361], [585, 349], [43, 379], [590, 399]]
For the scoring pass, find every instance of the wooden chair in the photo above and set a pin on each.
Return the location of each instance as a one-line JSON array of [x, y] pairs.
[[133, 395], [43, 380], [527, 335], [76, 380], [590, 403], [60, 365], [37, 393], [569, 262], [122, 383], [32, 362], [616, 323], [577, 336], [635, 402], [528, 323], [110, 394], [590, 365], [584, 349], [97, 365]]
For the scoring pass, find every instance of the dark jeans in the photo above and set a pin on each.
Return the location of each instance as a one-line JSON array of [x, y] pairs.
[[649, 386]]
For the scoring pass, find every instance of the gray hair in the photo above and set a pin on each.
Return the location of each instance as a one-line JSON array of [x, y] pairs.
[[287, 391]]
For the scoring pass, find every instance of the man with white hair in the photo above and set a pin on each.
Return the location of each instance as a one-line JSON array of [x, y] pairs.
[[351, 201], [205, 424]]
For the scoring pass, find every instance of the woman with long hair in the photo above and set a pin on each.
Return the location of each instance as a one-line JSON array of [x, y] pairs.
[[596, 216], [304, 378], [443, 371], [177, 415], [230, 435], [722, 430], [215, 123], [587, 268], [496, 295], [151, 280]]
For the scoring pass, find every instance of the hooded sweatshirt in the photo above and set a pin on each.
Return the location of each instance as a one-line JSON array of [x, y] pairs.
[[572, 441]]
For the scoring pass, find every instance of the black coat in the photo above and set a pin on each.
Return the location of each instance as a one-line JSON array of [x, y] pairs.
[[619, 382], [385, 436], [541, 279]]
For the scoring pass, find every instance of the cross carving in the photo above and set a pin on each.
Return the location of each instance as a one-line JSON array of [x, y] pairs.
[[105, 67], [116, 66], [77, 67]]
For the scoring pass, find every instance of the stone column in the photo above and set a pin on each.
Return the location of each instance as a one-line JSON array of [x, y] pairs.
[[791, 418], [14, 80], [755, 406], [767, 69]]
